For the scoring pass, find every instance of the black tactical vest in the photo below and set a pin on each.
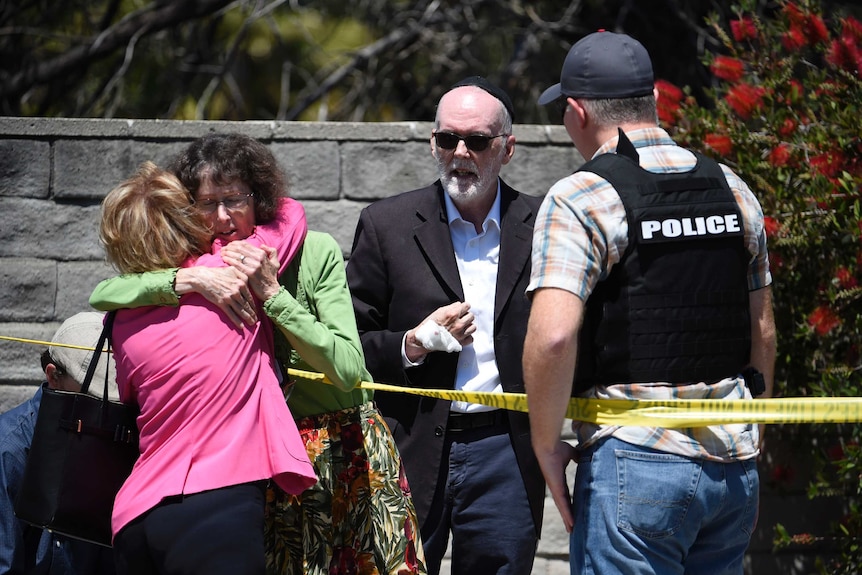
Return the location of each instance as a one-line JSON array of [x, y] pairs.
[[675, 308]]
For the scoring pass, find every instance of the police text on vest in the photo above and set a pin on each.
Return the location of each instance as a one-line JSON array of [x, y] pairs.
[[699, 226]]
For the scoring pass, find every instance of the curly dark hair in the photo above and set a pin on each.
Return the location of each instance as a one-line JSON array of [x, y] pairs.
[[226, 158]]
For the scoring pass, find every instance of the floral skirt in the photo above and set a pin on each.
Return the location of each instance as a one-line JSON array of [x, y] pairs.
[[359, 517]]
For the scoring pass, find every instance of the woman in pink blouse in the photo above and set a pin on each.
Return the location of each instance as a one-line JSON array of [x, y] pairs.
[[214, 426]]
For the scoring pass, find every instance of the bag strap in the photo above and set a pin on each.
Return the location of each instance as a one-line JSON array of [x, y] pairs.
[[94, 360]]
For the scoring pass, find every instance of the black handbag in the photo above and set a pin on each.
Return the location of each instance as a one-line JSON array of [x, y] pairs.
[[83, 449]]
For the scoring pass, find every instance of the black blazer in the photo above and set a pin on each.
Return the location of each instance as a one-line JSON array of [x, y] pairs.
[[401, 269]]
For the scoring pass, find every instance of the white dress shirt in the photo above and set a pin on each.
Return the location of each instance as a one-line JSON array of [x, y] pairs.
[[477, 256]]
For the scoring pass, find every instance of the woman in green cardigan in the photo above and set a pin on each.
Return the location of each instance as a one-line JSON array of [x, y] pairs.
[[359, 513]]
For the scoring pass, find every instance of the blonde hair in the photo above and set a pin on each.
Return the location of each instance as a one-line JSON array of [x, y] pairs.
[[148, 223]]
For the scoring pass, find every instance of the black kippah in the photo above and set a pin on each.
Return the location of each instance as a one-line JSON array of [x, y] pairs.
[[484, 84]]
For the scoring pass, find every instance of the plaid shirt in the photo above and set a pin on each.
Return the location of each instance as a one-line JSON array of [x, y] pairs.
[[581, 232]]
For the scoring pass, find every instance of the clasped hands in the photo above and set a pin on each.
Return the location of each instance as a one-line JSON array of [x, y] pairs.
[[251, 272]]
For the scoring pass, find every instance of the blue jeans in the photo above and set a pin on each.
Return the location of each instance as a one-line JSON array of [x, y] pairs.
[[639, 511]]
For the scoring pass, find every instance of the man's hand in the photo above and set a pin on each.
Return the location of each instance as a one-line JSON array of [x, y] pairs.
[[553, 466], [225, 287], [260, 265], [455, 318]]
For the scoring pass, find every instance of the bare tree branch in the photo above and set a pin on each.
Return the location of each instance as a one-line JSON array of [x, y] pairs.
[[151, 19], [395, 38], [118, 76], [362, 60], [223, 74]]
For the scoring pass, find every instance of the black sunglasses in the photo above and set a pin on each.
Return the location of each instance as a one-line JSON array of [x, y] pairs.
[[562, 105], [475, 143]]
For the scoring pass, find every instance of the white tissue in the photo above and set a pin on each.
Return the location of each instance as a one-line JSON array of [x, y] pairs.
[[433, 337]]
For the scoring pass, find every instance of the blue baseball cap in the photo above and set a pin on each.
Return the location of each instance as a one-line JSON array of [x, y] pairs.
[[604, 65]]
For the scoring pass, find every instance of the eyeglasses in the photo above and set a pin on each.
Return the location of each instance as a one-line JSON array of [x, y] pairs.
[[230, 203], [474, 143], [562, 105]]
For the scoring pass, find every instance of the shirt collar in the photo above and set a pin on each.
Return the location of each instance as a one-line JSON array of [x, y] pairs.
[[653, 136], [454, 215]]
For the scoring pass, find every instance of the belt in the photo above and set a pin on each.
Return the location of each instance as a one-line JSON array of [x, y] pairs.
[[468, 421]]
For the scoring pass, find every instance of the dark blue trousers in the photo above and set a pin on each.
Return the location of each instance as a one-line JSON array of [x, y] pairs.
[[483, 503], [218, 532]]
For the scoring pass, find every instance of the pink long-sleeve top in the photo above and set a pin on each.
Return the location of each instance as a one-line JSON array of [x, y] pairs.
[[212, 411]]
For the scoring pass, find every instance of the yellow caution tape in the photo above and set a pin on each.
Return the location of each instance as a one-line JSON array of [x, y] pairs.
[[675, 413], [48, 343]]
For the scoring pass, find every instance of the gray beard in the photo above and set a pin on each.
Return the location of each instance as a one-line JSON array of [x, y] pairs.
[[460, 192]]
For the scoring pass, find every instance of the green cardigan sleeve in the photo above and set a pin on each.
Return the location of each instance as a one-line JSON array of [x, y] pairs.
[[136, 290], [323, 331]]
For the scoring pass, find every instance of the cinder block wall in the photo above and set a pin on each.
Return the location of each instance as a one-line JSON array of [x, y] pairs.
[[55, 172]]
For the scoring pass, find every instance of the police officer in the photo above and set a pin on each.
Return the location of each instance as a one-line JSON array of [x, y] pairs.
[[650, 280]]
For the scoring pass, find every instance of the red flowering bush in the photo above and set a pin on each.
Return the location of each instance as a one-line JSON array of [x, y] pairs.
[[784, 113], [721, 144], [745, 99], [823, 320], [669, 101], [727, 68]]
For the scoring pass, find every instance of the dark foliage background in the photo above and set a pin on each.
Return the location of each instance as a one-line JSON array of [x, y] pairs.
[[362, 60]]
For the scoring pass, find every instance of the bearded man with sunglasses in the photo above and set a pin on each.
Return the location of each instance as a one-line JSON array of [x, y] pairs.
[[437, 277]]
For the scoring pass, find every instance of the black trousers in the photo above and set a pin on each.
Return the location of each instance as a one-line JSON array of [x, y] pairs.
[[218, 532]]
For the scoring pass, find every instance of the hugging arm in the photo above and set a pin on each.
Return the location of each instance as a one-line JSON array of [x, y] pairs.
[[225, 287], [324, 335]]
